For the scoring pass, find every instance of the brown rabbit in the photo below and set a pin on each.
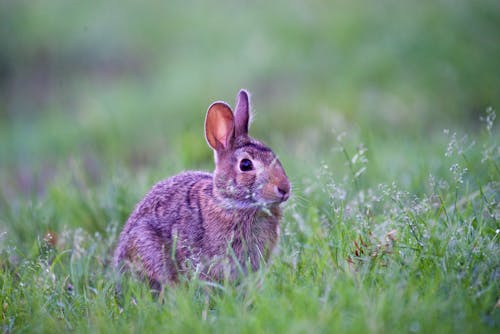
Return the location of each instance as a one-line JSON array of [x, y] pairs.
[[216, 225]]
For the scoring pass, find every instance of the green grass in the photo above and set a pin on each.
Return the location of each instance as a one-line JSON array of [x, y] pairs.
[[353, 257], [393, 226]]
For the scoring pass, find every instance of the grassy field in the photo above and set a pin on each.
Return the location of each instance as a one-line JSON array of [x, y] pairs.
[[383, 114]]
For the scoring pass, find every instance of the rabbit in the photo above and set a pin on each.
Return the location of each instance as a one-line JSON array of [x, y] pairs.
[[218, 226]]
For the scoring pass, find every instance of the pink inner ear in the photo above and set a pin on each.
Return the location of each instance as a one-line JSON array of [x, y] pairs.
[[223, 128], [219, 125]]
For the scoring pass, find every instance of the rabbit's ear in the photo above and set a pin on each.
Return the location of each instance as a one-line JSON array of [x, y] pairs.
[[219, 126], [242, 113]]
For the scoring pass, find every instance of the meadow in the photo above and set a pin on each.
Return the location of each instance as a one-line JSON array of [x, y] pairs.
[[382, 113]]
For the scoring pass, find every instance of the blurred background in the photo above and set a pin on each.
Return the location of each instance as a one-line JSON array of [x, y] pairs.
[[121, 87]]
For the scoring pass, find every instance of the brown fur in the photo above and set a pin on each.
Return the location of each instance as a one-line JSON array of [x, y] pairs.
[[217, 225]]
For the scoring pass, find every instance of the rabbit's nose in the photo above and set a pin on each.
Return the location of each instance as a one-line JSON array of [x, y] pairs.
[[284, 191]]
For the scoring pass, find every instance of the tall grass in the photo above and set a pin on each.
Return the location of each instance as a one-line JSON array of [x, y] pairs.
[[355, 256]]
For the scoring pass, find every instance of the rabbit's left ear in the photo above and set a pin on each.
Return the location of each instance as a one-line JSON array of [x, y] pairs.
[[219, 126], [242, 113]]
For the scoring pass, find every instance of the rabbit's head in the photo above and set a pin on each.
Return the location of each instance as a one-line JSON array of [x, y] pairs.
[[247, 173]]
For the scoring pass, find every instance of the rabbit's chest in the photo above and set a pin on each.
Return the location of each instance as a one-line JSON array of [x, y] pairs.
[[263, 229], [249, 239], [257, 237]]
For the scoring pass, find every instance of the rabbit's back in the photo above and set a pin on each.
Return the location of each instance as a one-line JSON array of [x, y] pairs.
[[172, 199], [170, 208]]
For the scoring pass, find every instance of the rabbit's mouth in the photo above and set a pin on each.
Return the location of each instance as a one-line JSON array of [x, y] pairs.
[[273, 193]]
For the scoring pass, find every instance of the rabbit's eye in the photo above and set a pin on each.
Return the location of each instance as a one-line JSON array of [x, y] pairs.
[[246, 165]]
